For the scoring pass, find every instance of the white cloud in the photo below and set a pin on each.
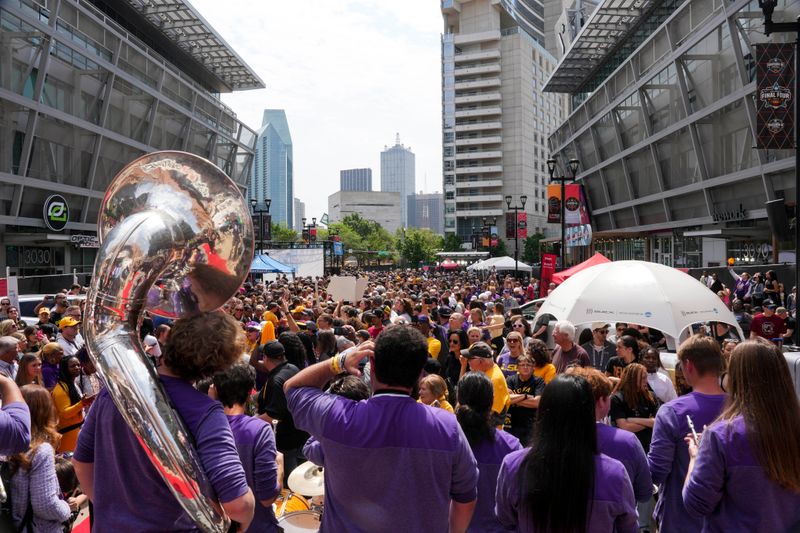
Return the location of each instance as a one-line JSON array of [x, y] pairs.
[[349, 75]]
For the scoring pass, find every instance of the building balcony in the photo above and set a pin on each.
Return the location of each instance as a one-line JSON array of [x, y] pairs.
[[490, 154], [477, 84], [480, 198], [490, 68], [477, 56], [460, 184], [479, 112], [478, 126], [479, 37], [476, 98], [472, 141], [479, 169], [451, 7], [481, 212]]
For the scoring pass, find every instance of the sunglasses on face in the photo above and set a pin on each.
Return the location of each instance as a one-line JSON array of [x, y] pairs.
[[518, 326], [513, 340], [602, 331], [454, 341]]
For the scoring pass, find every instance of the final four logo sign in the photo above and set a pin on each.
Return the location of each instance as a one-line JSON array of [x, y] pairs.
[[776, 96], [775, 91], [775, 65]]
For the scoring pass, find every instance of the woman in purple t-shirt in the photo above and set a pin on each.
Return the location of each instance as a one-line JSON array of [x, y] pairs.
[[746, 474]]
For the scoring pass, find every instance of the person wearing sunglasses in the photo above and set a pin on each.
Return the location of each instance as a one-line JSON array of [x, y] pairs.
[[507, 361], [600, 350], [5, 303], [619, 329]]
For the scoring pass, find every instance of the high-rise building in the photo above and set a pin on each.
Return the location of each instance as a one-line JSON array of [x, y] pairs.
[[381, 207], [426, 211], [299, 214], [86, 88], [272, 167], [664, 127], [398, 174], [495, 117], [355, 179]]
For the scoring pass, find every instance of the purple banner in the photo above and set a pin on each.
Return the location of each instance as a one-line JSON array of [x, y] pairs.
[[775, 96]]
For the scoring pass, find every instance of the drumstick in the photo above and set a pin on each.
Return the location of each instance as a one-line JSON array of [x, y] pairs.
[[691, 427]]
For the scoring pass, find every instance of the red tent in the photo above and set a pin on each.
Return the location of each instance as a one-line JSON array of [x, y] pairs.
[[596, 259], [449, 264]]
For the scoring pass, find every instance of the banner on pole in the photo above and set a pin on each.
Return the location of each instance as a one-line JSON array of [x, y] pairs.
[[548, 269], [522, 225], [575, 205], [775, 96], [554, 203]]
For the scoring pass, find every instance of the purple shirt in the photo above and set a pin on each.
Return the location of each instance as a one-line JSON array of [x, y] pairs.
[[625, 447], [391, 463], [255, 443], [731, 491], [129, 493], [669, 456], [507, 364], [15, 428], [49, 375], [490, 456], [613, 507]]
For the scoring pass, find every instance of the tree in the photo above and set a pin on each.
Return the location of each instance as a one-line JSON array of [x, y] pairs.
[[282, 233], [499, 250], [452, 243], [530, 252], [418, 245]]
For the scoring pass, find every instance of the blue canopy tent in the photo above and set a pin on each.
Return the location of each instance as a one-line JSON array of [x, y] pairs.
[[264, 264]]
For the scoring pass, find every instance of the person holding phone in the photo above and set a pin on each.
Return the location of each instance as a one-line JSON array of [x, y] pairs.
[[69, 402]]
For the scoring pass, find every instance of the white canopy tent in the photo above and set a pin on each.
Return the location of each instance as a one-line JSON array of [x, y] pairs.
[[637, 292], [500, 263]]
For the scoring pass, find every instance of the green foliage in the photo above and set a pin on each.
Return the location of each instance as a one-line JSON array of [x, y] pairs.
[[418, 245], [282, 233], [530, 252], [358, 233], [452, 243], [499, 250]]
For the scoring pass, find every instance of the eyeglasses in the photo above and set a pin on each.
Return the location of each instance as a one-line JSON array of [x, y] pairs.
[[454, 341], [5, 303], [518, 325], [512, 340]]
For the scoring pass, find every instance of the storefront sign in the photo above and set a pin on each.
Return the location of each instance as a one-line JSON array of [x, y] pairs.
[[56, 212], [548, 269], [775, 96], [84, 241], [725, 216], [578, 235]]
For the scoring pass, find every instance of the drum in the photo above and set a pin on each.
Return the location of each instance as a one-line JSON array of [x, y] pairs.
[[300, 522], [289, 502]]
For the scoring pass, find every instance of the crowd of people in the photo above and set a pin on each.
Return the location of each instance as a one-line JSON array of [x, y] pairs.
[[432, 403]]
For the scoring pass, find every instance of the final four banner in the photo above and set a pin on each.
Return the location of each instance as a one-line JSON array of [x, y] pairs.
[[775, 92]]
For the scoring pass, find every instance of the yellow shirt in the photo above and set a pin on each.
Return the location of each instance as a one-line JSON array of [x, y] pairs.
[[267, 332], [547, 372], [443, 404], [502, 400], [269, 316], [434, 347], [68, 415]]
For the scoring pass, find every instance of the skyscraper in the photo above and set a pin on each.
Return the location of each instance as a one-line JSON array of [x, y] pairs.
[[398, 174], [495, 117], [299, 214], [355, 179], [426, 211], [272, 169]]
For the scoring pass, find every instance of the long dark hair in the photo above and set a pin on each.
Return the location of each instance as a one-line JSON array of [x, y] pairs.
[[557, 475], [474, 409], [67, 379]]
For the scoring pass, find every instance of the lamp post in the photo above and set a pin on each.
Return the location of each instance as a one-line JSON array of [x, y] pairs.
[[768, 7], [516, 209], [260, 213], [308, 236], [573, 167]]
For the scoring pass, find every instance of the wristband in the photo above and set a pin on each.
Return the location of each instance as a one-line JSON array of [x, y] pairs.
[[340, 364], [335, 365]]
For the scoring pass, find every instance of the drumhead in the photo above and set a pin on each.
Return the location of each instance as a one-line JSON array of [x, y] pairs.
[[300, 522]]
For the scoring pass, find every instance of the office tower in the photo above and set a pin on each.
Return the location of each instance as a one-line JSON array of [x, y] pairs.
[[398, 174], [426, 211], [272, 169], [355, 179], [299, 214]]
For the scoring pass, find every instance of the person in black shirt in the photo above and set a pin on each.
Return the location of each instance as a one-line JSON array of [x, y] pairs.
[[633, 405], [627, 350], [525, 390], [272, 406]]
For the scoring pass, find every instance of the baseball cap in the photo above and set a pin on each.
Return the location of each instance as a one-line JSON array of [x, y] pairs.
[[423, 319], [599, 325], [781, 310], [768, 303], [273, 350], [478, 350], [44, 311], [67, 321], [445, 311], [298, 309]]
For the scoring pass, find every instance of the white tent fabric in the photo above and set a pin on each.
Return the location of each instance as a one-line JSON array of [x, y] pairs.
[[637, 292], [507, 263], [485, 264]]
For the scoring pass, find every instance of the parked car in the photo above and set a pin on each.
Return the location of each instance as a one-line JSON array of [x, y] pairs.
[[28, 302]]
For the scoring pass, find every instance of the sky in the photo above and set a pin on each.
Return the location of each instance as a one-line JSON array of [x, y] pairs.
[[350, 76]]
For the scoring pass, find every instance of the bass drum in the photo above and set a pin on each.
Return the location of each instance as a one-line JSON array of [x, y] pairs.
[[289, 502], [300, 522]]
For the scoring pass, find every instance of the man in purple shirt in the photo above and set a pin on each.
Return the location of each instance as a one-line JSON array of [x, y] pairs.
[[391, 464], [15, 419], [114, 469], [701, 361], [255, 442]]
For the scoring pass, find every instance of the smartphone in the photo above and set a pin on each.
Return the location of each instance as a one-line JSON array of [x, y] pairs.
[[691, 428]]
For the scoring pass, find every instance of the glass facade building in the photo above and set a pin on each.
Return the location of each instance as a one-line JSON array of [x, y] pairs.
[[355, 179], [398, 174], [426, 211], [664, 130], [85, 88], [273, 175]]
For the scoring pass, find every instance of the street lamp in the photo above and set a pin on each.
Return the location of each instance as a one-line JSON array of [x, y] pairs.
[[516, 209], [768, 7], [310, 230], [260, 213], [573, 167]]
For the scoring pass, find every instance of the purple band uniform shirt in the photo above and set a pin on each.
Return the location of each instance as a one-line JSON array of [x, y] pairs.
[[129, 494], [391, 464], [490, 456], [731, 490], [612, 508], [625, 447], [255, 443], [668, 456], [15, 428]]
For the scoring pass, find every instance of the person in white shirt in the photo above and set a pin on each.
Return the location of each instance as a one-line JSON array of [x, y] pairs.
[[68, 337], [659, 382]]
